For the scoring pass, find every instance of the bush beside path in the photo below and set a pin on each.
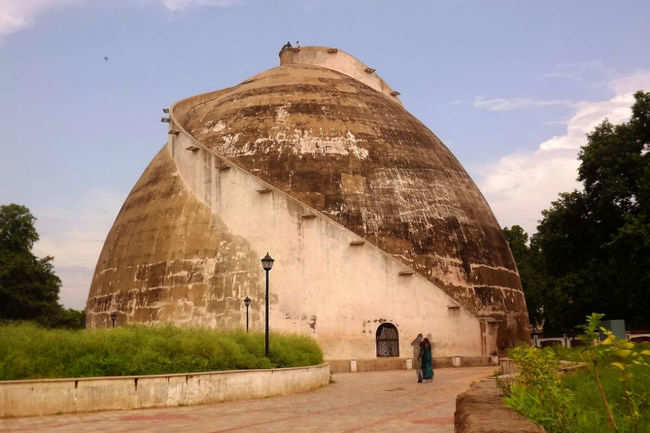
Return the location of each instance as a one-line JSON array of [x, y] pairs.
[[28, 351]]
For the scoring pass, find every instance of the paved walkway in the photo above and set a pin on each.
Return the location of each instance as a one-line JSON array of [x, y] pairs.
[[387, 401]]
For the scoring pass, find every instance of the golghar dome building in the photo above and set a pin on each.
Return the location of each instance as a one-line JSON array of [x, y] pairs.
[[377, 231]]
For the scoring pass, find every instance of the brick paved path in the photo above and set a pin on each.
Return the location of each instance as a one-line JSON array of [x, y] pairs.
[[387, 401]]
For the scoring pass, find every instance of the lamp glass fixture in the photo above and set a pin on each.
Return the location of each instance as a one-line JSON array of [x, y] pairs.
[[267, 262]]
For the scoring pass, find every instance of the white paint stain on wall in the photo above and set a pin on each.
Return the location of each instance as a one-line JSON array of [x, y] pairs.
[[281, 114], [299, 141], [306, 143], [230, 140], [219, 126]]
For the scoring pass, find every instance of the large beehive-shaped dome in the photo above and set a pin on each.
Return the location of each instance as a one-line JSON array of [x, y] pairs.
[[324, 129]]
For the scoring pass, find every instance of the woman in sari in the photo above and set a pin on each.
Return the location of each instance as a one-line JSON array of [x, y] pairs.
[[426, 360]]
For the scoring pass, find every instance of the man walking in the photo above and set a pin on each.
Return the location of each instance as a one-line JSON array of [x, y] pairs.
[[416, 357]]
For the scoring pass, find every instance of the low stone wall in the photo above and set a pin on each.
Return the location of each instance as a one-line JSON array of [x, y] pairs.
[[481, 410], [56, 396], [380, 364], [464, 361], [360, 365]]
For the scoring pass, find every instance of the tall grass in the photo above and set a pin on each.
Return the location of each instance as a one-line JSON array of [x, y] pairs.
[[29, 351], [591, 416], [572, 402]]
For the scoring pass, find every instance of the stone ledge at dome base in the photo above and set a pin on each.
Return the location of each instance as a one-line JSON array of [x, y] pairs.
[[88, 394], [395, 363]]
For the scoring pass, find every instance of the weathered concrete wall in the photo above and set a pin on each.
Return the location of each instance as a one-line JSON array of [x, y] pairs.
[[350, 152], [168, 258], [340, 61], [321, 284], [55, 396]]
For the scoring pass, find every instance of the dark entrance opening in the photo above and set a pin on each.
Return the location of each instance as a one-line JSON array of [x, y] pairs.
[[387, 340]]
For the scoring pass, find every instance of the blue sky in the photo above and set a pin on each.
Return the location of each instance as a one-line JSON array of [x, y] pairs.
[[510, 86]]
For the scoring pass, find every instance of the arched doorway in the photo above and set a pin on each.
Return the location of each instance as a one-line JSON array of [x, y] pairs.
[[387, 340]]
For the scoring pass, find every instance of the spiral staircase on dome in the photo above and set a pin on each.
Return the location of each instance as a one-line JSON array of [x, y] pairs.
[[318, 161]]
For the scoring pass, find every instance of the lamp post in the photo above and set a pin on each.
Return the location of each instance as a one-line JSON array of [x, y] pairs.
[[247, 302], [113, 317], [267, 264]]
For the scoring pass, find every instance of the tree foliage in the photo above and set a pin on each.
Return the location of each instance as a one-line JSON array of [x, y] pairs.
[[29, 287], [529, 263], [17, 231], [591, 251]]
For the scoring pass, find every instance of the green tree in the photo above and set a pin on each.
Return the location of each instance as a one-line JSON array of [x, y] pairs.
[[29, 287], [615, 170], [595, 243], [530, 266], [17, 231]]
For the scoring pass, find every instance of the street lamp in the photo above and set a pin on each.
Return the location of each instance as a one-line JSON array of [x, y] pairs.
[[113, 317], [267, 264], [247, 302]]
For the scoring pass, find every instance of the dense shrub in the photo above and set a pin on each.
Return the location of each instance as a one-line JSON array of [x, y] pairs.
[[30, 351]]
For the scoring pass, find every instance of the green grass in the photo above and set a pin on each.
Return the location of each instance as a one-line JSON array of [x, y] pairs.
[[575, 397], [28, 351], [591, 416], [567, 354]]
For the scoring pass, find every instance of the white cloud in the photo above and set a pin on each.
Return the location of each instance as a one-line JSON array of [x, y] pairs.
[[74, 236], [520, 185], [580, 71], [510, 104], [177, 5], [75, 285], [16, 15], [590, 114]]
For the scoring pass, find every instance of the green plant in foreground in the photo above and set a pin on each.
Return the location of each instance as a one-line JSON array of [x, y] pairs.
[[538, 391], [620, 354], [610, 394]]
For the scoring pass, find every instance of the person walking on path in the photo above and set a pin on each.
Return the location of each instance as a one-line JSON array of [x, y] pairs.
[[417, 357], [426, 362]]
